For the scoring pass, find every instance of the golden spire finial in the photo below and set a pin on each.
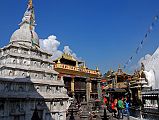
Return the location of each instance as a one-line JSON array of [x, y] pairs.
[[30, 3], [84, 65], [119, 66], [58, 61], [97, 69]]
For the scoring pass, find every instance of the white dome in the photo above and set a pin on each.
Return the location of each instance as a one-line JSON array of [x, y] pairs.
[[24, 36]]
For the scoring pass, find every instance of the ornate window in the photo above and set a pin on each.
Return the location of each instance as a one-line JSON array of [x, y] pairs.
[[23, 74], [25, 62], [43, 65], [1, 106], [10, 73], [20, 89], [17, 108], [46, 56], [24, 52], [61, 103], [15, 50], [14, 61], [44, 76], [49, 65], [36, 75], [37, 88], [48, 88], [52, 76], [55, 103], [57, 88]]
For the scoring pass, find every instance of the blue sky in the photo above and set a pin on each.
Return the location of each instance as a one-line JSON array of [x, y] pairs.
[[104, 33]]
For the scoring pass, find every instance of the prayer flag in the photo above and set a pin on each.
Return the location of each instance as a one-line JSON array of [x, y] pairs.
[[131, 57], [142, 42], [156, 17], [137, 50]]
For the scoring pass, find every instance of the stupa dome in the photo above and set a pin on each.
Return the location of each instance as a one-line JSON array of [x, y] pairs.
[[24, 36]]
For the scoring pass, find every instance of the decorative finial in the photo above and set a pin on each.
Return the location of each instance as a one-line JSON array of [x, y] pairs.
[[97, 69], [77, 64], [119, 66], [30, 3], [58, 61], [29, 16], [142, 66], [84, 65]]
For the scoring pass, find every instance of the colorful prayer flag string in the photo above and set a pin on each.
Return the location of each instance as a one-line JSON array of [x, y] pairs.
[[156, 18], [32, 19]]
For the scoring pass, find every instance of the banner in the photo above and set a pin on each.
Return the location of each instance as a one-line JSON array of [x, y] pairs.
[[150, 28]]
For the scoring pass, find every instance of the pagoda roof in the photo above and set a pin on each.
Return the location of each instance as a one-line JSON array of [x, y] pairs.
[[116, 90], [67, 57]]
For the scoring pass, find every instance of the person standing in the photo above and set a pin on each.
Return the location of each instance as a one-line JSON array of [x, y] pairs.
[[113, 106], [120, 105], [127, 106]]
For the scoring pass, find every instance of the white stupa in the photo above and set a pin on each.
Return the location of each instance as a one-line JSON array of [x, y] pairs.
[[151, 63], [29, 85]]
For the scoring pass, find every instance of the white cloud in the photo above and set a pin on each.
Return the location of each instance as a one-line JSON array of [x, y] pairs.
[[151, 63], [67, 50], [51, 45]]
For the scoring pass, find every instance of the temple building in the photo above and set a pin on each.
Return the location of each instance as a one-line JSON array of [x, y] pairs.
[[116, 85], [79, 80], [29, 86], [137, 84], [117, 79]]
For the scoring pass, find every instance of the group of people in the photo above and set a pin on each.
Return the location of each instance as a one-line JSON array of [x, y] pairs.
[[119, 107]]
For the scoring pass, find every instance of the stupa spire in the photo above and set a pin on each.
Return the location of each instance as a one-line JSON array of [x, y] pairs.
[[29, 16], [26, 33], [30, 3]]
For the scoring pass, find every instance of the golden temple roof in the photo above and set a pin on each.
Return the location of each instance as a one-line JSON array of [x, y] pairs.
[[68, 57]]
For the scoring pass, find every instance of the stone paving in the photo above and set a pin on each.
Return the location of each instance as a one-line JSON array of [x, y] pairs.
[[124, 117]]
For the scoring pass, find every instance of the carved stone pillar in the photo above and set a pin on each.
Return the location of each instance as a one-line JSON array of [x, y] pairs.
[[90, 86], [73, 85], [85, 110], [88, 82], [61, 77], [99, 88]]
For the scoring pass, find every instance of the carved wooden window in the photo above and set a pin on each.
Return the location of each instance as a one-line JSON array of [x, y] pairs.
[[94, 87], [80, 85], [67, 83]]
